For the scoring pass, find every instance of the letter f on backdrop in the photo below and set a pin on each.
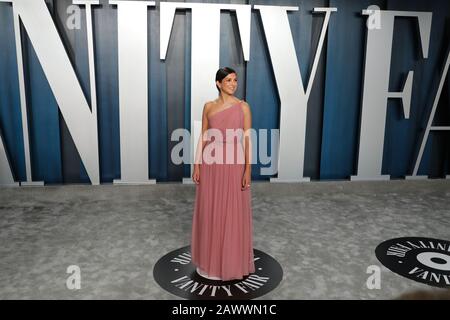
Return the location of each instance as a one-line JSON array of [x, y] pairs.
[[376, 89]]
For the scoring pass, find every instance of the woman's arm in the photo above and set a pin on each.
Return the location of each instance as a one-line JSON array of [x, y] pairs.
[[247, 177], [202, 139]]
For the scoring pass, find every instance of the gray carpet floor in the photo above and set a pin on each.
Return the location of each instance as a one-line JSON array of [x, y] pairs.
[[322, 233]]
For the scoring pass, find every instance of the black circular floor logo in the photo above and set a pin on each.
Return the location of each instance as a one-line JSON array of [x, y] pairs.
[[175, 273], [424, 260]]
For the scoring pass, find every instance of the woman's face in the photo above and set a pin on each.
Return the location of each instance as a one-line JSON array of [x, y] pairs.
[[228, 84]]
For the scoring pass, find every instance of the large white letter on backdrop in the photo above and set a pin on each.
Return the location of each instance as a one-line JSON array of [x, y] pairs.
[[133, 90], [293, 97], [430, 126], [81, 122], [205, 52], [376, 89]]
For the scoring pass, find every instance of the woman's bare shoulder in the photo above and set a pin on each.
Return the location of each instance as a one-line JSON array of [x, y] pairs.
[[245, 106], [208, 105]]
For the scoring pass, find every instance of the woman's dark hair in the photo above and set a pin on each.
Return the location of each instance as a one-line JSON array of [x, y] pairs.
[[222, 73]]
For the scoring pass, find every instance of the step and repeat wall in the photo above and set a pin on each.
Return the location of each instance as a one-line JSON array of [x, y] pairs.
[[113, 91]]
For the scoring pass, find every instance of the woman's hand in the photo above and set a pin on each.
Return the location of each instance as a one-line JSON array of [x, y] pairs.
[[196, 174], [246, 180]]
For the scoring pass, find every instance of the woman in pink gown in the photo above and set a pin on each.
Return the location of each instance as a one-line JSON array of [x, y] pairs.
[[222, 230]]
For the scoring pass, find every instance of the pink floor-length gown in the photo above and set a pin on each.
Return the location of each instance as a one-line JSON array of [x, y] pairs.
[[222, 230]]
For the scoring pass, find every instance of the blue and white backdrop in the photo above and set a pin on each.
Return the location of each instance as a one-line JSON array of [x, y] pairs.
[[95, 91]]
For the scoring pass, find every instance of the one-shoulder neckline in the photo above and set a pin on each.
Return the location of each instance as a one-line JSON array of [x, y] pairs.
[[210, 116]]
